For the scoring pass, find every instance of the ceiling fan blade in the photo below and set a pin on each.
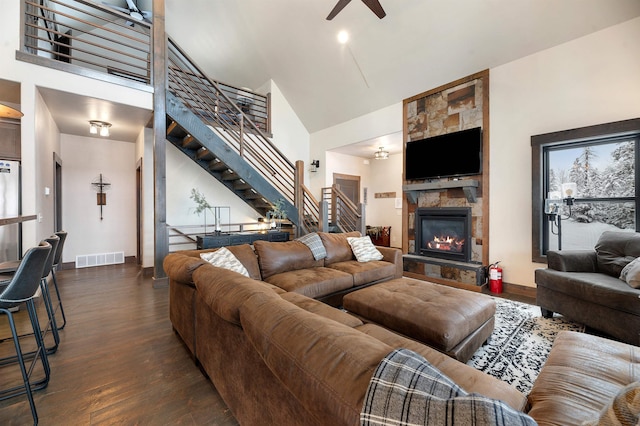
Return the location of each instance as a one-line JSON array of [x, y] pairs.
[[375, 7], [337, 8]]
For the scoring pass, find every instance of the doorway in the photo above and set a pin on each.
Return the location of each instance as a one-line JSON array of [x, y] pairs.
[[349, 185], [57, 192], [139, 212]]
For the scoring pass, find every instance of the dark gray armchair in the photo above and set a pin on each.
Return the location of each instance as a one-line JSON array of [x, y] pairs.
[[584, 286]]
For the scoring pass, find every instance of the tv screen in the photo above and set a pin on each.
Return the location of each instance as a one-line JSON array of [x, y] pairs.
[[450, 155]]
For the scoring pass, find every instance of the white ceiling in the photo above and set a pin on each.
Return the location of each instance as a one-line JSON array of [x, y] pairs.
[[419, 45]]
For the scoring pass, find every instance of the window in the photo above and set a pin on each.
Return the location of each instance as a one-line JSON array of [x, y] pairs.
[[602, 162]]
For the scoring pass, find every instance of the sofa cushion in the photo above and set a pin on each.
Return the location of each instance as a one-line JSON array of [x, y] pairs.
[[277, 257], [224, 291], [369, 272], [363, 249], [244, 253], [313, 241], [406, 389], [322, 309], [581, 375], [312, 282], [338, 249], [615, 250], [326, 365], [631, 273], [223, 258]]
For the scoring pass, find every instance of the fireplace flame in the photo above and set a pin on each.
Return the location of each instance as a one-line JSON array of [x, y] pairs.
[[446, 243]]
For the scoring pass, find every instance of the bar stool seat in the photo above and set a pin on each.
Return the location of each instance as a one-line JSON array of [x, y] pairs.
[[22, 289]]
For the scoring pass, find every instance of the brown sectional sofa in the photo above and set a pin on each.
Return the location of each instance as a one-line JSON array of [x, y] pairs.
[[282, 358]]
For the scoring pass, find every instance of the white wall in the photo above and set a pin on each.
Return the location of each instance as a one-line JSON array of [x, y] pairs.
[[289, 134], [588, 81], [84, 159], [183, 175], [382, 122]]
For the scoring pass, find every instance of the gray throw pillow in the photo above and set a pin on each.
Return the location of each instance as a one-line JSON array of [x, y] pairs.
[[313, 241]]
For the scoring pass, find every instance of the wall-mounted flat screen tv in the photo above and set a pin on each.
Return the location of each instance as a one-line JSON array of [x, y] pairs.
[[451, 155]]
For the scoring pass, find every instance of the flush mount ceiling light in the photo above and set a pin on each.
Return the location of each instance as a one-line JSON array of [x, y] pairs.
[[9, 112], [381, 154], [99, 127]]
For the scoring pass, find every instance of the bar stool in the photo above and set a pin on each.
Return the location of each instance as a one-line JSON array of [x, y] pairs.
[[56, 261], [22, 288], [51, 325]]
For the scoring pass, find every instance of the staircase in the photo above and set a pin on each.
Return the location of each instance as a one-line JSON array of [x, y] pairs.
[[212, 130]]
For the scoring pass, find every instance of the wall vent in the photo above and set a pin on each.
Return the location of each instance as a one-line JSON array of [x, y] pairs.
[[100, 259]]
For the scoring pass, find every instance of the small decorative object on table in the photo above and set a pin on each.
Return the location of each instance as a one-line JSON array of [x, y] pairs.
[[277, 214]]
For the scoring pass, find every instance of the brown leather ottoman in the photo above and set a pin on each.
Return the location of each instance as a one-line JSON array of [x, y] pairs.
[[454, 321]]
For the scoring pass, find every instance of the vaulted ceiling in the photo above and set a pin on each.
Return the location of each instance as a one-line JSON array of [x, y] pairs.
[[419, 45]]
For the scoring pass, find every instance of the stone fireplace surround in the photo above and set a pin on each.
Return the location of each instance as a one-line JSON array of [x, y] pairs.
[[459, 105]]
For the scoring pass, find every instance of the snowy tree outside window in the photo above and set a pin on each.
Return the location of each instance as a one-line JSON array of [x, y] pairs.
[[605, 173]]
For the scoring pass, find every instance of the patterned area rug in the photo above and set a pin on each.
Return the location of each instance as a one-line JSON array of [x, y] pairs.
[[520, 343]]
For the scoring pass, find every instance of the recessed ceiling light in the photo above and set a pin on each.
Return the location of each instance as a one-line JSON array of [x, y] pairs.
[[343, 37]]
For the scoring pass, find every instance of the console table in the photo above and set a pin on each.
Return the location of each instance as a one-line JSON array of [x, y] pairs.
[[234, 239]]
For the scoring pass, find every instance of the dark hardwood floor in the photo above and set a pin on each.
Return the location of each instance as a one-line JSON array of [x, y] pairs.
[[119, 361]]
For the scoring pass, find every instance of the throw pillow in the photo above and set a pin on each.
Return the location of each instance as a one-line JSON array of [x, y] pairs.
[[631, 273], [363, 249], [314, 243], [406, 390], [223, 258], [623, 410]]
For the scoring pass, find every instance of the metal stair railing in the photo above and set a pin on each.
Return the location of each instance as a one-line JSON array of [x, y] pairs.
[[344, 214], [205, 98]]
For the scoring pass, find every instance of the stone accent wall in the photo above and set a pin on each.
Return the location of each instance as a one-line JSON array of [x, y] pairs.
[[458, 106]]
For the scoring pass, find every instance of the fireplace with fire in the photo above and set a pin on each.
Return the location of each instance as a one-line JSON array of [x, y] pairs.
[[444, 232]]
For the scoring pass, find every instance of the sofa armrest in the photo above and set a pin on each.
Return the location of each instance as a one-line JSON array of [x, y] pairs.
[[572, 260], [180, 267], [392, 255]]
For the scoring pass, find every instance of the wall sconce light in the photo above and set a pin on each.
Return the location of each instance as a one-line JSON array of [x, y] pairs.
[[315, 165], [99, 127], [381, 154]]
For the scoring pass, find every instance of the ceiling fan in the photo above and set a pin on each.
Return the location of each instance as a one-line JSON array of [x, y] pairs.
[[374, 5], [133, 11]]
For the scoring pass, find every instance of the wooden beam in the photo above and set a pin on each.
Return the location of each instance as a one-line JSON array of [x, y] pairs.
[[161, 239]]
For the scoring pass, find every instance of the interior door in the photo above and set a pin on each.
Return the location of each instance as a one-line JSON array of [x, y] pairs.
[[349, 185]]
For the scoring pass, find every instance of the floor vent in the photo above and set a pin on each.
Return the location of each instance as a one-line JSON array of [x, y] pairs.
[[89, 260]]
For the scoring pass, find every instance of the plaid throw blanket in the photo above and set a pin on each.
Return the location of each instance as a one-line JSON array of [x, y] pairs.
[[406, 390]]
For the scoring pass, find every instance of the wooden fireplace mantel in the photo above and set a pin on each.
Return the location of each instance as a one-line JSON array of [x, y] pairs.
[[468, 186]]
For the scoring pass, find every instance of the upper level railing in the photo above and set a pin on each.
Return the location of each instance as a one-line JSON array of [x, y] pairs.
[[90, 36]]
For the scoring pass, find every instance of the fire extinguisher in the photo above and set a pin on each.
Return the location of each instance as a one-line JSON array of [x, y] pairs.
[[495, 278]]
